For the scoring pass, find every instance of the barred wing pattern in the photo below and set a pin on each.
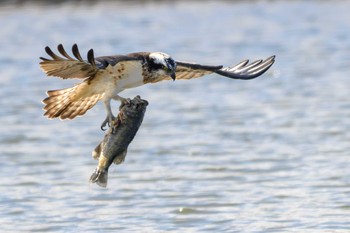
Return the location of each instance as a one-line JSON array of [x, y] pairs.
[[191, 70], [66, 66], [242, 70]]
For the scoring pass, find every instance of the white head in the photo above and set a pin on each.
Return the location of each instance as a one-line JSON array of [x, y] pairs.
[[162, 64]]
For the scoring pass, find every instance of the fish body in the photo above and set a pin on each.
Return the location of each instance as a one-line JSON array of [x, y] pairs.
[[114, 146]]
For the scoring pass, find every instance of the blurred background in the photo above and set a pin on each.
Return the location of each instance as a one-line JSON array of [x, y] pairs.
[[213, 154]]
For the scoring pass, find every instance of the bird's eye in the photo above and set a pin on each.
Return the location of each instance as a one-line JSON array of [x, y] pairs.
[[165, 68]]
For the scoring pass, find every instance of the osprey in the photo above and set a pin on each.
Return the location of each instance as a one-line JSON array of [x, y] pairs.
[[105, 77]]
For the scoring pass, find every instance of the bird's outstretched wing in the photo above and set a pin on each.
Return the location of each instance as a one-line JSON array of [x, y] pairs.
[[69, 67], [242, 70], [66, 66]]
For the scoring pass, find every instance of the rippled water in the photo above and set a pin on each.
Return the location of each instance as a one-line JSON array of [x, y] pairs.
[[213, 154]]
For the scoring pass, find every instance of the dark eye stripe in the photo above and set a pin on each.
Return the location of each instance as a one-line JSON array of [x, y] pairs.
[[155, 66], [171, 63]]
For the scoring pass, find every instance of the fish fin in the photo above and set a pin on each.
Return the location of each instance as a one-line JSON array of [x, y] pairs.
[[121, 157], [97, 152], [99, 177]]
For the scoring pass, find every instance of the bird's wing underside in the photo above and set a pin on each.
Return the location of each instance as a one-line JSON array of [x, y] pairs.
[[65, 66], [190, 70], [243, 70]]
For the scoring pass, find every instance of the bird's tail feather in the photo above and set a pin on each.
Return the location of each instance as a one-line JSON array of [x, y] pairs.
[[70, 102]]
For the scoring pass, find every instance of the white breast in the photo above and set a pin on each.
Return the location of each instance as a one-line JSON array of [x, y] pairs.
[[127, 74]]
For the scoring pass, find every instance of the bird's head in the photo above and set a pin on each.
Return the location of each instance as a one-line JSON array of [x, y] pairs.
[[162, 64]]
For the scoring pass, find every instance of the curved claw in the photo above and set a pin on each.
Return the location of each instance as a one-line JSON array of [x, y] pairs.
[[104, 123], [124, 101], [107, 122]]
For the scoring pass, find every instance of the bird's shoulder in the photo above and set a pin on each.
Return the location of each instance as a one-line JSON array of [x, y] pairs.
[[104, 61]]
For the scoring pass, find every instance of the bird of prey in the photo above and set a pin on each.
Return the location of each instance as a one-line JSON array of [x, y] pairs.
[[105, 77]]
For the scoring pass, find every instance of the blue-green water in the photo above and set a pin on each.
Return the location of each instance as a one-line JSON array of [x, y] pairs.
[[213, 154]]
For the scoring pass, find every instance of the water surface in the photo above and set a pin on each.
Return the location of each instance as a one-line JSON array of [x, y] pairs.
[[213, 154]]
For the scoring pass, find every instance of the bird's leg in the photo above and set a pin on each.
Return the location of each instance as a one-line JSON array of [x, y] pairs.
[[109, 119], [122, 100]]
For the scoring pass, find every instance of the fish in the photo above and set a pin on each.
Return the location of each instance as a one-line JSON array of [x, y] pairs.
[[114, 146]]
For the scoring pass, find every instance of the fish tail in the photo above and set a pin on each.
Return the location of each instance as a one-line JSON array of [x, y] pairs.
[[99, 177]]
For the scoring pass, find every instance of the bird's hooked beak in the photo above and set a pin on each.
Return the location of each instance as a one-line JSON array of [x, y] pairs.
[[173, 75], [171, 68]]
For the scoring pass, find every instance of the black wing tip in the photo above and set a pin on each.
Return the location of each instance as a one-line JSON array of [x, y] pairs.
[[266, 64], [76, 52], [62, 51], [271, 58], [268, 61], [48, 50], [75, 46], [91, 57], [260, 67], [52, 54]]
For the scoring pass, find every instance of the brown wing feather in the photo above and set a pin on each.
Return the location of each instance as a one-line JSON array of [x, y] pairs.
[[188, 73], [186, 70], [75, 101], [66, 66], [243, 70]]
